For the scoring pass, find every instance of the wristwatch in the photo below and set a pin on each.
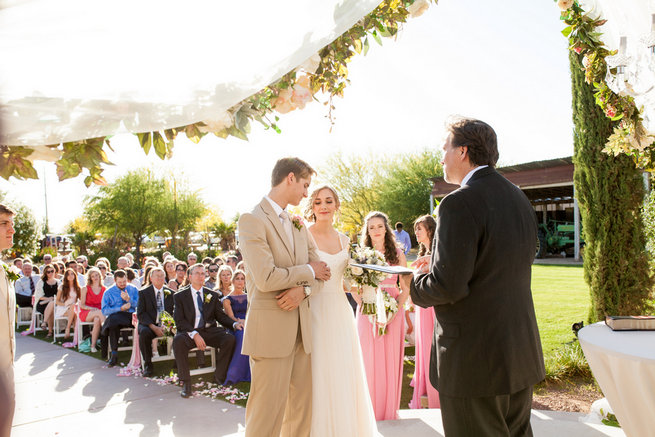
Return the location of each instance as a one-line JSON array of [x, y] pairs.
[[307, 290]]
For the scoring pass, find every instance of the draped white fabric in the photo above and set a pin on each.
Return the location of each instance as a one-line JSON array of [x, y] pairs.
[[75, 69], [632, 19]]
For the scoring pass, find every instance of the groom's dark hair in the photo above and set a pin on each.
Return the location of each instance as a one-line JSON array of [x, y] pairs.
[[285, 166]]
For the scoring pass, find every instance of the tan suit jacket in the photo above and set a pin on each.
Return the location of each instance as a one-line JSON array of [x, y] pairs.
[[273, 265], [7, 328]]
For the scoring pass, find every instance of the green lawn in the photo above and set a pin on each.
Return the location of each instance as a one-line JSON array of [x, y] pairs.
[[561, 298]]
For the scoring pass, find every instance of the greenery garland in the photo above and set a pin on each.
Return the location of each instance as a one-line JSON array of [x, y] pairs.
[[327, 72], [629, 135]]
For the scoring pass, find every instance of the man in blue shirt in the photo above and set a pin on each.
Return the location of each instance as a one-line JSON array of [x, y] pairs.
[[118, 304], [402, 237]]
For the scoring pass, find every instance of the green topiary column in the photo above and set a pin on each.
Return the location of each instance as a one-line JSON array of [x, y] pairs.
[[610, 192]]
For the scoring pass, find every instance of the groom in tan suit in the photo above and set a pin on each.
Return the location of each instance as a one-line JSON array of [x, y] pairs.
[[282, 266], [7, 321]]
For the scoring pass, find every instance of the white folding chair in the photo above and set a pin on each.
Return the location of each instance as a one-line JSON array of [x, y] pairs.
[[58, 326], [23, 316], [130, 337]]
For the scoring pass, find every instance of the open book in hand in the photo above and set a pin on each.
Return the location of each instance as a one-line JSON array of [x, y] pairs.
[[392, 270]]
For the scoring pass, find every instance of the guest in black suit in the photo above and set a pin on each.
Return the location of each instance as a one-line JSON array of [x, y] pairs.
[[153, 300], [486, 355], [197, 309]]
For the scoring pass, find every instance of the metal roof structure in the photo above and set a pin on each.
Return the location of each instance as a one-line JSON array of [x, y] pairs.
[[543, 182]]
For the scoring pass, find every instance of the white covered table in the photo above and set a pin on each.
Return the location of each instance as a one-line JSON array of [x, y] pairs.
[[623, 363]]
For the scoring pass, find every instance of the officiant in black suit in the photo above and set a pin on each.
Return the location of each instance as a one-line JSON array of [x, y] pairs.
[[197, 309], [486, 352], [153, 301]]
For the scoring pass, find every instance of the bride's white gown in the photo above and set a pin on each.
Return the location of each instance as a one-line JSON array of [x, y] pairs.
[[341, 404]]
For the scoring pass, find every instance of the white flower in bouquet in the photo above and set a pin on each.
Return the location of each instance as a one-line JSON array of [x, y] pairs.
[[357, 271]]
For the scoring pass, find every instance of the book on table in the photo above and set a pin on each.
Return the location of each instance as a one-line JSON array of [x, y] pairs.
[[392, 270], [631, 323]]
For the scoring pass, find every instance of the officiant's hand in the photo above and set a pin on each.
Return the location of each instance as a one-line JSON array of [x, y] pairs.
[[200, 342], [290, 299], [422, 264], [321, 270]]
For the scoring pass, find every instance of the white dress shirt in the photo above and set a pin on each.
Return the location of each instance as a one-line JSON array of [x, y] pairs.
[[278, 210], [194, 294], [469, 174], [22, 285]]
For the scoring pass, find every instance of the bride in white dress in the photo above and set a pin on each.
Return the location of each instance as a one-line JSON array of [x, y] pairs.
[[341, 404]]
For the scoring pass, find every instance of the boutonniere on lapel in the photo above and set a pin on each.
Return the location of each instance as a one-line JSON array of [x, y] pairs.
[[297, 222], [167, 293], [208, 297], [11, 274]]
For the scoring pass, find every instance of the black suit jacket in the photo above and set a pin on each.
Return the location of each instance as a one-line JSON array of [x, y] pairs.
[[486, 340], [146, 310], [185, 311]]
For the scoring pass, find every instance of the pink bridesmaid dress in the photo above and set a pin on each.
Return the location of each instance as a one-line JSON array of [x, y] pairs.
[[423, 331], [383, 358]]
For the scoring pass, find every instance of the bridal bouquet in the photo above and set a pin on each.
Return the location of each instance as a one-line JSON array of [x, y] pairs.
[[368, 280], [387, 307]]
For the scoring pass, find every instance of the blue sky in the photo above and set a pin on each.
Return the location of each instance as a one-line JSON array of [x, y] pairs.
[[503, 62]]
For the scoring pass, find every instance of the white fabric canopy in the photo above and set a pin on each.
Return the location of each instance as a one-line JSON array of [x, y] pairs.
[[632, 19], [75, 69]]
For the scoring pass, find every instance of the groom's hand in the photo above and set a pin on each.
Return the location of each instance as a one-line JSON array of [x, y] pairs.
[[290, 299], [321, 270]]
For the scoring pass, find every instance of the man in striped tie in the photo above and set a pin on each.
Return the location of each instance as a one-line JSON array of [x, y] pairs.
[[26, 285]]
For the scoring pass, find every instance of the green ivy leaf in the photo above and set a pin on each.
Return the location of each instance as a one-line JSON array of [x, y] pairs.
[[567, 31], [366, 46], [377, 37], [145, 139], [160, 145]]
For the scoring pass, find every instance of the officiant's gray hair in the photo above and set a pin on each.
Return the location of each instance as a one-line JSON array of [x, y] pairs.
[[285, 166], [309, 207]]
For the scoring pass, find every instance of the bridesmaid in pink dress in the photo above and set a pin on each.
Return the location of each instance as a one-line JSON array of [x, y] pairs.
[[383, 355], [424, 228]]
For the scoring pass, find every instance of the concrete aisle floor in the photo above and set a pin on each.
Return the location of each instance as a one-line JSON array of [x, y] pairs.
[[60, 392]]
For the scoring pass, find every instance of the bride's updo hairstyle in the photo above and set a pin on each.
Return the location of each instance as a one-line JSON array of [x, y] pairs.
[[390, 246], [309, 207]]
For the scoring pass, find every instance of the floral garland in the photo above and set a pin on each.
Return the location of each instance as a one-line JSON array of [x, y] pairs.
[[630, 136], [326, 71]]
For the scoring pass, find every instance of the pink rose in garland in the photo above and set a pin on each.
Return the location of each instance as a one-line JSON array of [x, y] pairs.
[[282, 103], [302, 93], [565, 4]]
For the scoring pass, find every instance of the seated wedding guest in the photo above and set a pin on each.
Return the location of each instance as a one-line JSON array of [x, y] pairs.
[[47, 259], [180, 276], [84, 261], [206, 261], [36, 271], [67, 295], [105, 273], [122, 263], [212, 270], [18, 263], [219, 261], [153, 301], [224, 280], [25, 286], [191, 259], [241, 266], [44, 296], [72, 264], [91, 304], [145, 279], [132, 262], [61, 267], [169, 268], [81, 270], [165, 255], [235, 306], [232, 261], [197, 309], [424, 229], [132, 277], [118, 304]]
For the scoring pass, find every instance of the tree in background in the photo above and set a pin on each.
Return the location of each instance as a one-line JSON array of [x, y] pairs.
[[81, 235], [356, 181], [610, 193], [397, 185], [181, 210], [131, 206], [226, 232], [28, 231], [405, 188]]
